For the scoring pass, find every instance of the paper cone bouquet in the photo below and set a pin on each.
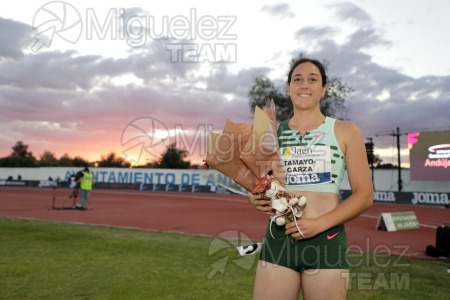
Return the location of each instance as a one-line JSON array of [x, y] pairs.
[[249, 154]]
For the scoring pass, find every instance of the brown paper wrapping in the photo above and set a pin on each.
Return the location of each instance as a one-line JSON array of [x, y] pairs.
[[261, 153], [246, 153], [224, 150]]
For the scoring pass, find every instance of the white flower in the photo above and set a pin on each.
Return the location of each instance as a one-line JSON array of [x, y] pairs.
[[278, 205], [302, 201], [293, 201], [273, 190], [280, 221]]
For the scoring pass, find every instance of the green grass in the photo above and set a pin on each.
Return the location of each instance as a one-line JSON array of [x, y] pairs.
[[52, 260]]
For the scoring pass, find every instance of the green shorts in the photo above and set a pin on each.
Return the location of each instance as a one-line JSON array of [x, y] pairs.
[[327, 250]]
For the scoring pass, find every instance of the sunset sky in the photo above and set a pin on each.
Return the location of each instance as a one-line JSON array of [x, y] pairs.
[[130, 77]]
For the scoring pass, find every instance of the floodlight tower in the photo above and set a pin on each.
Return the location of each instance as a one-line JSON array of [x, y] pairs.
[[397, 134], [370, 157]]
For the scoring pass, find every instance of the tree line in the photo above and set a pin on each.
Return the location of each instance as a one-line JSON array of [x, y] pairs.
[[21, 157]]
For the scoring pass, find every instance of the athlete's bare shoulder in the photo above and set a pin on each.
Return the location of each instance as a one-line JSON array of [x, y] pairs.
[[346, 127], [347, 132]]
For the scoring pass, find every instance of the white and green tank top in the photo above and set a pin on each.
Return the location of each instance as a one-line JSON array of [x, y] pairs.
[[312, 162]]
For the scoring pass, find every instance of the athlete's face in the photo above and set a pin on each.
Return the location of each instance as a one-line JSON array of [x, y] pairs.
[[305, 87]]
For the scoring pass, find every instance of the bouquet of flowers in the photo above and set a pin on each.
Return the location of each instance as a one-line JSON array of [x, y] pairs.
[[249, 154], [286, 207]]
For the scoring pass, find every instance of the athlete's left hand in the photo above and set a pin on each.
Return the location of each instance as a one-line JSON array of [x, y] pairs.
[[309, 227]]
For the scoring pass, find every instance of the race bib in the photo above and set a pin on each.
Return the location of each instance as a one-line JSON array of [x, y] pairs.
[[306, 165]]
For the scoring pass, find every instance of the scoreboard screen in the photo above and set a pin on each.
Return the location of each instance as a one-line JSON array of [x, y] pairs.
[[429, 154]]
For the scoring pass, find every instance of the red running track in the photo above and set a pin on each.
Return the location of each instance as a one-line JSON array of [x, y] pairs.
[[211, 215]]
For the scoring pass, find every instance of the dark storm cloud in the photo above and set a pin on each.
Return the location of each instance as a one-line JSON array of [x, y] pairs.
[[349, 12], [282, 10], [14, 36], [314, 32]]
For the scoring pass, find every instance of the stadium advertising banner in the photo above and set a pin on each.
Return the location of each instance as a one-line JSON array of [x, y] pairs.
[[429, 154]]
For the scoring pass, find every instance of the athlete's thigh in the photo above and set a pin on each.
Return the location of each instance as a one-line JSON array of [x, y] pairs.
[[327, 284], [275, 282]]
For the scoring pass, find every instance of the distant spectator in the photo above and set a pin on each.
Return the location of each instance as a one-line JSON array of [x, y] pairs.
[[75, 185], [86, 183], [19, 177]]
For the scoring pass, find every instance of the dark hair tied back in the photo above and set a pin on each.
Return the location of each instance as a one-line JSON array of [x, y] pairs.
[[317, 63]]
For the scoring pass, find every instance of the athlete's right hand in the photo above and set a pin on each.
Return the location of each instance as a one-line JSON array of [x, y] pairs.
[[262, 205]]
